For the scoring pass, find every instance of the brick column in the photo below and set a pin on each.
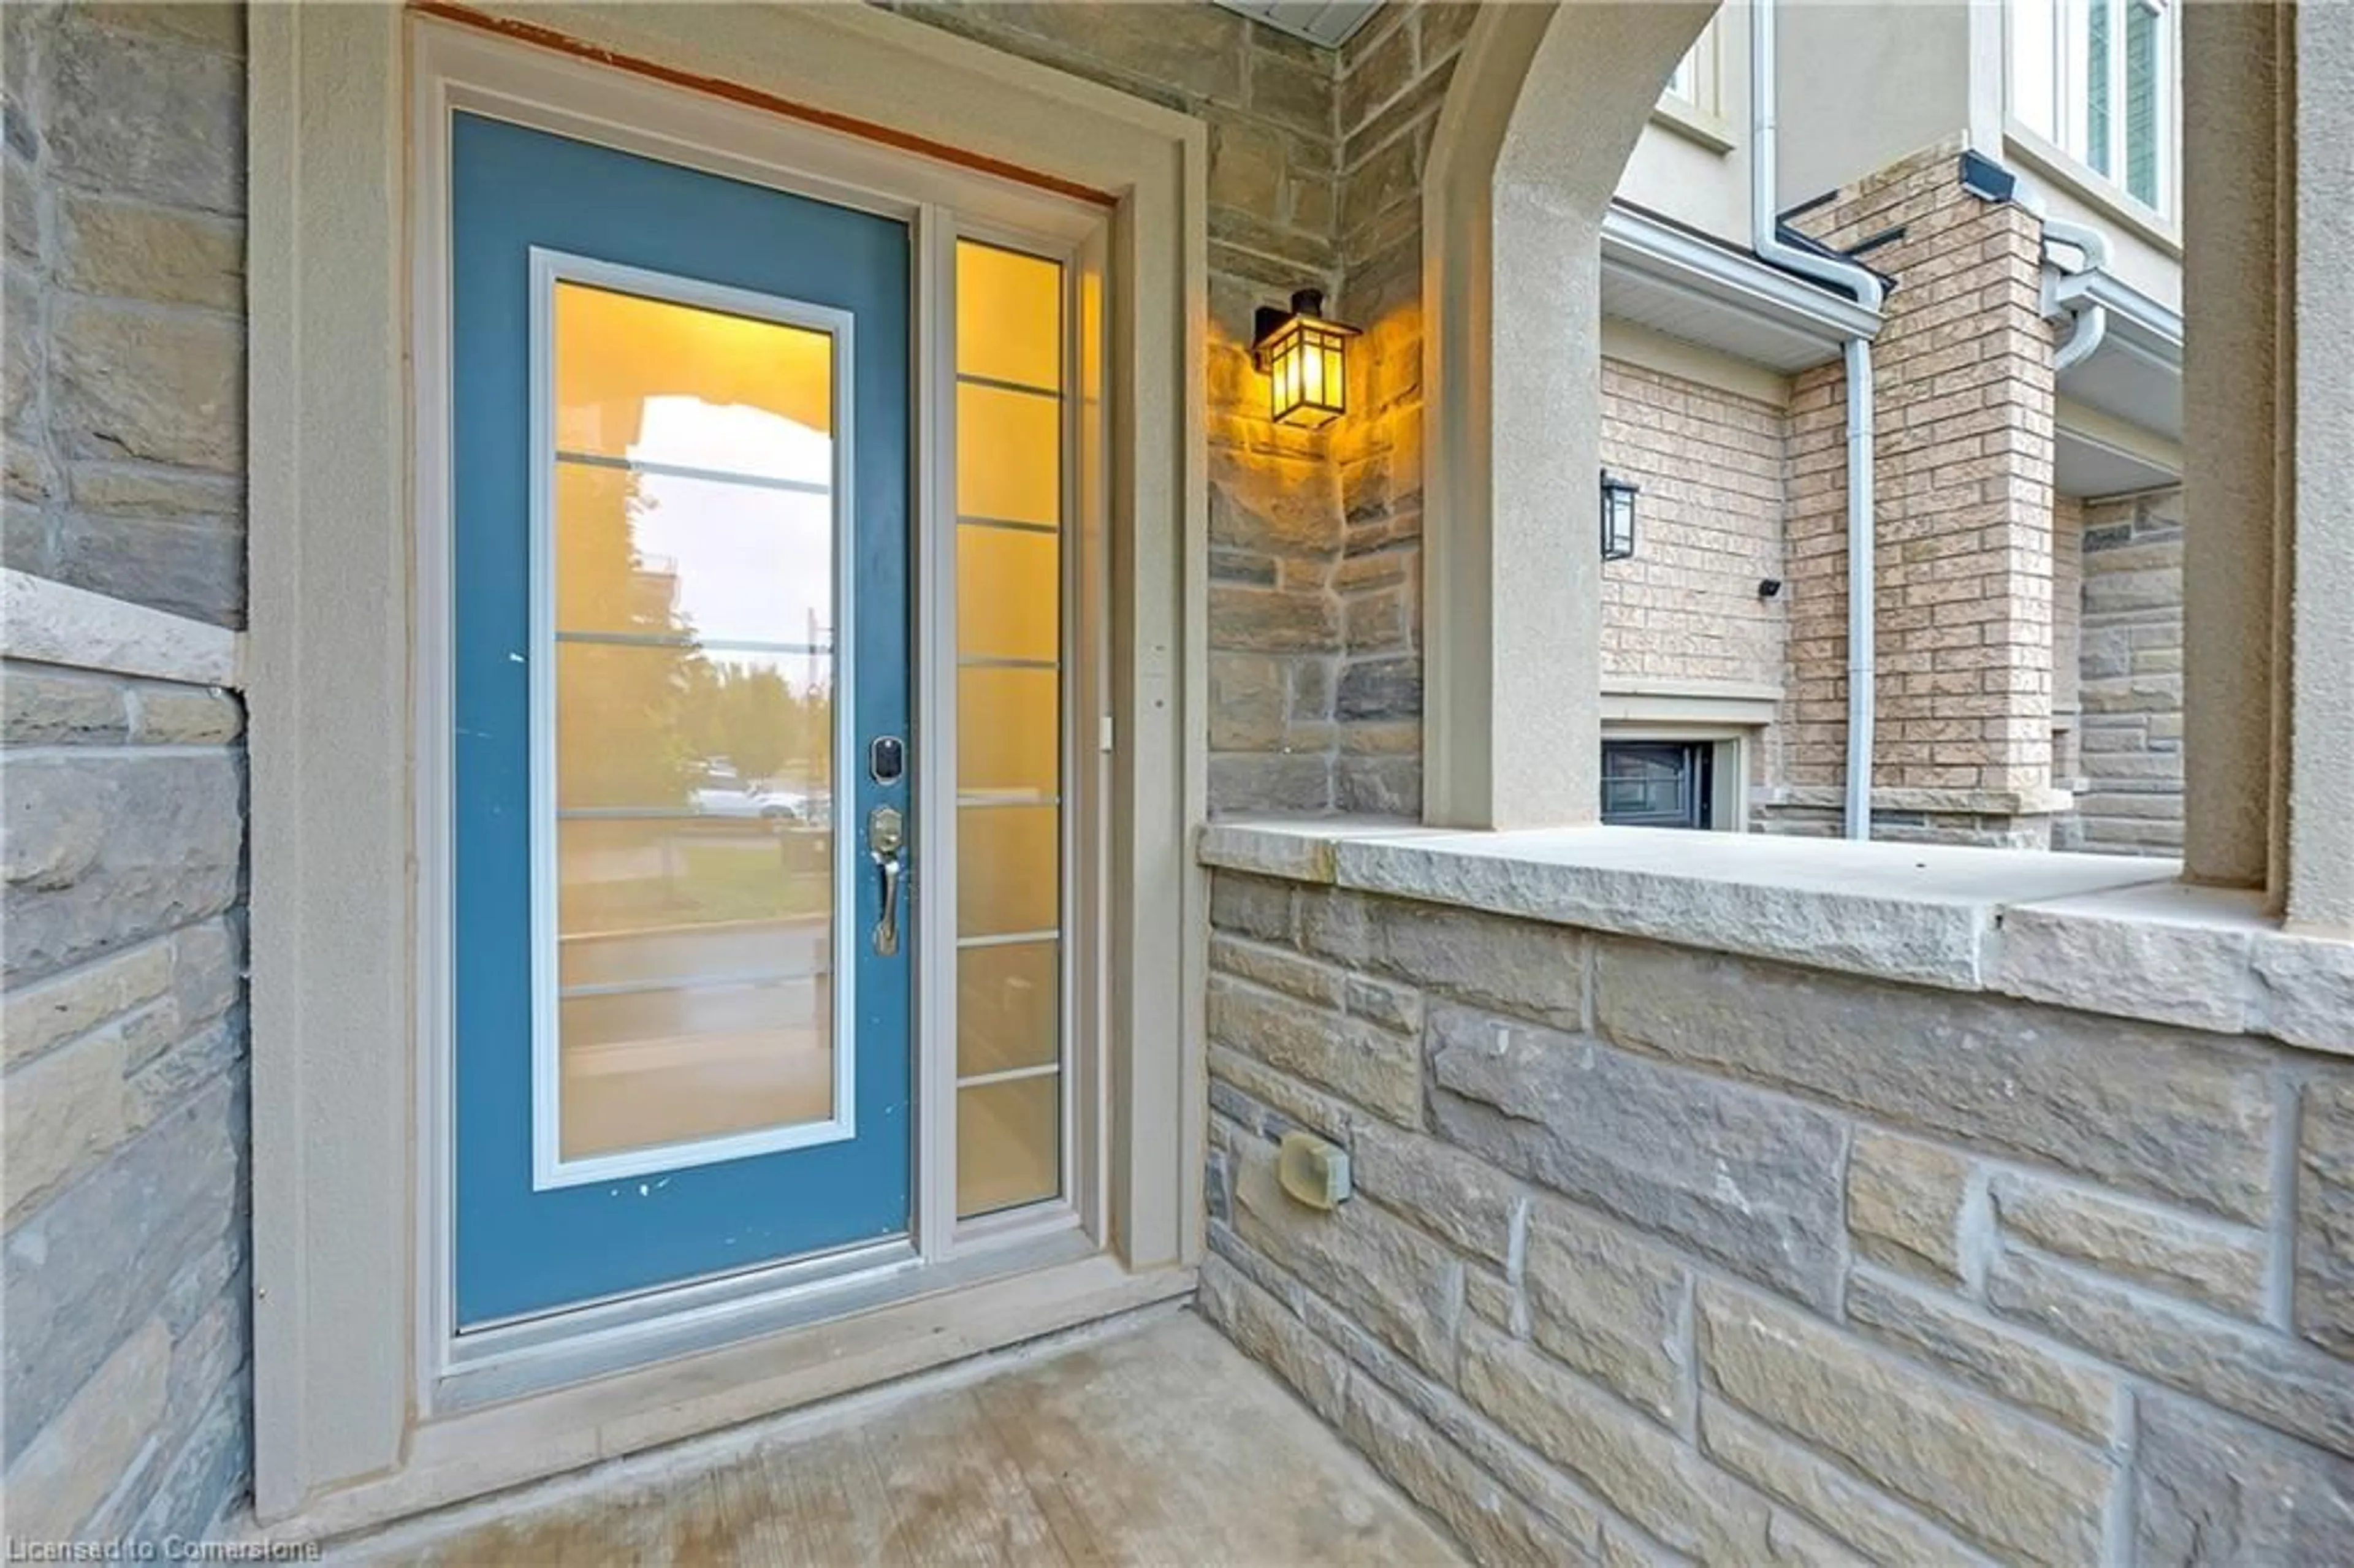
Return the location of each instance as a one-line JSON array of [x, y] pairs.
[[1964, 525]]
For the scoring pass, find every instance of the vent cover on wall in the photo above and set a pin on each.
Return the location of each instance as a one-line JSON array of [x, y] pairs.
[[1326, 22]]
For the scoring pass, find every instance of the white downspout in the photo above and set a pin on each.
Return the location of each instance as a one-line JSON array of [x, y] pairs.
[[1864, 284]]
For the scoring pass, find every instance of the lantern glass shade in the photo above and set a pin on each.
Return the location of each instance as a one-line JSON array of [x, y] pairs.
[[1305, 358], [1618, 518]]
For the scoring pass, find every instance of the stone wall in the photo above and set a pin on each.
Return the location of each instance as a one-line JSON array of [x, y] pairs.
[[123, 1273], [1686, 608], [1963, 452], [1660, 1256], [1393, 79], [124, 183], [2131, 738], [1280, 623], [2067, 653]]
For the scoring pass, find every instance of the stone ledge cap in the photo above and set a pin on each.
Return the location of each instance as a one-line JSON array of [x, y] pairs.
[[2104, 934], [44, 622]]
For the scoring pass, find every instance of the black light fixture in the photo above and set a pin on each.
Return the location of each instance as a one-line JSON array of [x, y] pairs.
[[1618, 517], [1306, 357]]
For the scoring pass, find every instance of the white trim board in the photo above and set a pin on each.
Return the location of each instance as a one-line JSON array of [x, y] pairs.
[[44, 622], [345, 1186]]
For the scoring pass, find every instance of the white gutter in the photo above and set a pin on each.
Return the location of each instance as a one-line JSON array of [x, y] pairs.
[[1642, 250], [2068, 294], [1862, 575]]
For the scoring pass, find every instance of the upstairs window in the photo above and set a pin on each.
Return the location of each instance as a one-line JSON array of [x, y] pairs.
[[2097, 79], [1693, 84]]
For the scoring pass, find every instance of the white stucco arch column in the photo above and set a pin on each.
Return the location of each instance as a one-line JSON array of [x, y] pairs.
[[1545, 104], [2319, 896], [2268, 682]]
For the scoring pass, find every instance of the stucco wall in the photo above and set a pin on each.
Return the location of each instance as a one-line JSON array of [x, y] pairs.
[[1691, 179], [1860, 86], [1658, 1251], [124, 1275]]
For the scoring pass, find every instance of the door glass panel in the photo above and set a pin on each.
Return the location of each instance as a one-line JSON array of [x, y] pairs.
[[677, 1064], [643, 381], [1009, 1143], [620, 878], [1008, 1003], [1009, 732], [1011, 421], [1009, 316], [1009, 604], [693, 715], [1007, 870], [719, 562], [1009, 454]]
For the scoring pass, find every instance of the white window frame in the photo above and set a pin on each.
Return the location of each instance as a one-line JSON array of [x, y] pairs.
[[1730, 747], [1695, 80], [550, 1168], [1691, 105], [2050, 149], [1080, 1199]]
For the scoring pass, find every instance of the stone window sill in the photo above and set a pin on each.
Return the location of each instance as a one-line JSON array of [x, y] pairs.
[[2100, 933]]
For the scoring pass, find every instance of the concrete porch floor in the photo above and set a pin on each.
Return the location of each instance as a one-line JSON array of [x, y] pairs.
[[1152, 1442]]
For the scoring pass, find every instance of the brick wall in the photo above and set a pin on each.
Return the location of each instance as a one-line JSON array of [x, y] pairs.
[[124, 1273], [2131, 686], [1963, 453], [1709, 462], [1656, 1252]]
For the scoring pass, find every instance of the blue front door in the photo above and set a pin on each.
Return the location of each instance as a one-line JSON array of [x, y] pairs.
[[679, 548]]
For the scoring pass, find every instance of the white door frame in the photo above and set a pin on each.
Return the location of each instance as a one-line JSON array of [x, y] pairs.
[[360, 1414]]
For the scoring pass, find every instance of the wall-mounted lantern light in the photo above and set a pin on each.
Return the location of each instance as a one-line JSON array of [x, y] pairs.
[[1617, 516], [1305, 358]]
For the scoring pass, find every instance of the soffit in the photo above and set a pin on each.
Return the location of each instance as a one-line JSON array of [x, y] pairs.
[[1687, 285], [1328, 22]]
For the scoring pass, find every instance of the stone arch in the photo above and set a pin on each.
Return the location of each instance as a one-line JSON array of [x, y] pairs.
[[1544, 107]]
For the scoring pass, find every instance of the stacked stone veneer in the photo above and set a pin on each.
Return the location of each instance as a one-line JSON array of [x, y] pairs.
[[1964, 593], [123, 1271], [2130, 736], [1393, 77], [1280, 628], [1660, 1256]]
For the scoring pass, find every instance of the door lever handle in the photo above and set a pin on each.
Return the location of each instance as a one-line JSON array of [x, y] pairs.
[[886, 834], [887, 928]]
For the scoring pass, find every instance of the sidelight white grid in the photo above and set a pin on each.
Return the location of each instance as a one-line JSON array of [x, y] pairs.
[[549, 1168], [1064, 531]]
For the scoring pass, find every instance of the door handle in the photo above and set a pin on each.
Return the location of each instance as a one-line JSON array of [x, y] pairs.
[[885, 834], [887, 928]]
